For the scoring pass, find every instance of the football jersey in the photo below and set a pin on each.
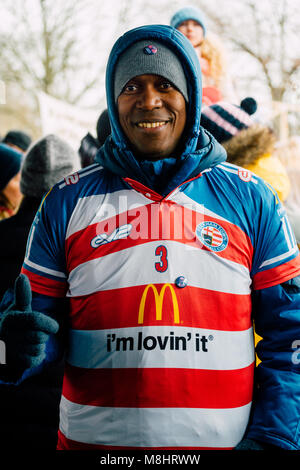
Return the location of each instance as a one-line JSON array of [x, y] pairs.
[[160, 352]]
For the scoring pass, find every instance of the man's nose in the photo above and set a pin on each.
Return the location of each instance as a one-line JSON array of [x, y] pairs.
[[149, 98]]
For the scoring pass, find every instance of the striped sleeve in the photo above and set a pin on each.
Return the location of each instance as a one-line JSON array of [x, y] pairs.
[[44, 262], [276, 255]]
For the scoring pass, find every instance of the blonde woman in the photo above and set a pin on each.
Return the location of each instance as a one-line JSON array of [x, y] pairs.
[[216, 85]]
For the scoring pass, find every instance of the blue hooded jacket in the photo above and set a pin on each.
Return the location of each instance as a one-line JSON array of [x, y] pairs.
[[276, 410], [200, 150]]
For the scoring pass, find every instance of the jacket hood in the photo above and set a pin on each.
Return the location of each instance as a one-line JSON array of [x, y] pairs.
[[199, 147]]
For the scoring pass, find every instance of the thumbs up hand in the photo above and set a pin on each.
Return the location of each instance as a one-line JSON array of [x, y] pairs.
[[25, 332]]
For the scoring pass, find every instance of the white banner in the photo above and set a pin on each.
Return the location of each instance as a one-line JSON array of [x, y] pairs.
[[2, 93], [69, 122]]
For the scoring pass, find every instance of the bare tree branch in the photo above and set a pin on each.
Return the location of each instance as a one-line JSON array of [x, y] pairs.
[[45, 59]]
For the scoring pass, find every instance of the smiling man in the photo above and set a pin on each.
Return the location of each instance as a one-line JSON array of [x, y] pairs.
[[160, 351], [151, 93], [153, 116]]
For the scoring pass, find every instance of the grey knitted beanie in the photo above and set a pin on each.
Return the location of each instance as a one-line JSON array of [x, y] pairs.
[[149, 57], [46, 162]]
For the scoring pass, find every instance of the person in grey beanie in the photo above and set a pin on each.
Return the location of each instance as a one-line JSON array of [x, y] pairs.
[[33, 408], [46, 162]]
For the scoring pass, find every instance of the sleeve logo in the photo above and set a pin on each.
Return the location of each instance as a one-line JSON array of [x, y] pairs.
[[245, 175], [72, 179], [117, 234]]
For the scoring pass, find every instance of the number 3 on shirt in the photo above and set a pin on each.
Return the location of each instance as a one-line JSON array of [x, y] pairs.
[[162, 265]]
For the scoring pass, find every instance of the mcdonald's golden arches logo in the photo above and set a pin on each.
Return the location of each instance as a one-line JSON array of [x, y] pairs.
[[159, 299]]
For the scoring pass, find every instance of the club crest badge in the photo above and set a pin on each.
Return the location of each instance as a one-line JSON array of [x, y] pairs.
[[245, 175], [212, 235]]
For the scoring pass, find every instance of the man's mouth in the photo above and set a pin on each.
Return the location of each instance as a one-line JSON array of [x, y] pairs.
[[151, 124]]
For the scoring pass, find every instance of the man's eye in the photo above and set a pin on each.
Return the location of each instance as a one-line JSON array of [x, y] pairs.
[[130, 88], [166, 85]]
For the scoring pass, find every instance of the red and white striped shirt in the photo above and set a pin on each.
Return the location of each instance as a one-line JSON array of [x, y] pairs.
[[153, 363]]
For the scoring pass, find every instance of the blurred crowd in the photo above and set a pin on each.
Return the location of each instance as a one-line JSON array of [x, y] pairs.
[[28, 170]]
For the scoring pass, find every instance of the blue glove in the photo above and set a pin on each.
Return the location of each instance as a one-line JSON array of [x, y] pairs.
[[25, 332]]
